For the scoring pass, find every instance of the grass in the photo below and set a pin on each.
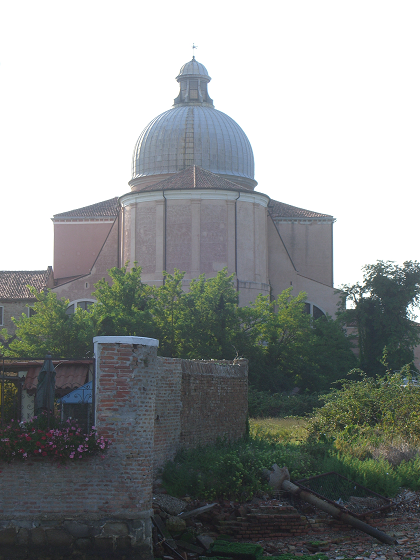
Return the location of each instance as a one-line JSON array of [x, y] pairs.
[[279, 430]]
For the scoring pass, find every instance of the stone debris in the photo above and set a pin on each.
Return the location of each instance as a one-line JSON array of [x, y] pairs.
[[319, 534], [169, 504], [198, 511]]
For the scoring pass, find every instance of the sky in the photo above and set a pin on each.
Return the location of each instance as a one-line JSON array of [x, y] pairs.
[[327, 91]]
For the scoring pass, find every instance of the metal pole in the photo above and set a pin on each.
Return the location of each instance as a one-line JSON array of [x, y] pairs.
[[336, 513]]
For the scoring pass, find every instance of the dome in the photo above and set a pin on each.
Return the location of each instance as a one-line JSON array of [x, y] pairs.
[[193, 132], [195, 68], [194, 135]]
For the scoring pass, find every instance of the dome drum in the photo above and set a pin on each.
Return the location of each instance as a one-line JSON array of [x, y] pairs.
[[198, 231]]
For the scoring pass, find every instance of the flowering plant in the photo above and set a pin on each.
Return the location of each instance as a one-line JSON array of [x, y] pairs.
[[61, 442]]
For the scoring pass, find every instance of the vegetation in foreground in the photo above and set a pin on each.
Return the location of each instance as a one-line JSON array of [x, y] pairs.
[[47, 438], [369, 431]]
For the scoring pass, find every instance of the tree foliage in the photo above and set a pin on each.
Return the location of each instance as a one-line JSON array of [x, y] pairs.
[[51, 329], [123, 306], [285, 347], [209, 320], [382, 310]]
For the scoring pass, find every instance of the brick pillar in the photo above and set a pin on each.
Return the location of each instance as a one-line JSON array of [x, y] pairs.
[[126, 372]]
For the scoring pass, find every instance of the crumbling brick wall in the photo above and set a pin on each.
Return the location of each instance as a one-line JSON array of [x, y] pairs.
[[198, 401], [214, 401]]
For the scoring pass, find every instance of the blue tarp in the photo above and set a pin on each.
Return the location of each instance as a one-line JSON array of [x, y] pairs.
[[81, 395]]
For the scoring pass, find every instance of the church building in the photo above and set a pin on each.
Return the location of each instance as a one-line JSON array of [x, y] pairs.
[[193, 205]]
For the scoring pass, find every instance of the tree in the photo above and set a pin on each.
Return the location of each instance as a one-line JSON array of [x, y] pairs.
[[51, 329], [167, 308], [276, 337], [382, 309], [209, 320], [285, 347], [123, 307], [331, 352], [200, 323]]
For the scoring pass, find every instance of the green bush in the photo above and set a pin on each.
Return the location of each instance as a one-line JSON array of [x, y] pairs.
[[391, 404], [234, 470]]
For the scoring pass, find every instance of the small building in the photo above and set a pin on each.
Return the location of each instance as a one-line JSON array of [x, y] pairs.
[[23, 375], [15, 296]]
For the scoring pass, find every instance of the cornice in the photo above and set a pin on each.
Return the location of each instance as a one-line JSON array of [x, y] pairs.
[[85, 221], [194, 194], [323, 220]]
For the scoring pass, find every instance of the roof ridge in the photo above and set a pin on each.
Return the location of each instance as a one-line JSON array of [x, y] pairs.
[[107, 208], [283, 210], [195, 173], [13, 283]]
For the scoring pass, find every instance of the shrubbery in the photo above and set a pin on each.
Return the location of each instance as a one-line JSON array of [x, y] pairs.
[[234, 470], [381, 410]]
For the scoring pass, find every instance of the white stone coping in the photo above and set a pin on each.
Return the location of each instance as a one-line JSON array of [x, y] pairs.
[[194, 194], [126, 340]]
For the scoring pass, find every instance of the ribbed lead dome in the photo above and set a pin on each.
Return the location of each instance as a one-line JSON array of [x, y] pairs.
[[193, 132], [193, 67]]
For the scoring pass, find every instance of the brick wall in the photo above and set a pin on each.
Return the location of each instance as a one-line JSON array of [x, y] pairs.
[[118, 486], [148, 408], [197, 402], [168, 408], [214, 399]]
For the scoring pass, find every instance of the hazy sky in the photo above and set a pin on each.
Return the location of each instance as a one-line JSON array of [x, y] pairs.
[[328, 93]]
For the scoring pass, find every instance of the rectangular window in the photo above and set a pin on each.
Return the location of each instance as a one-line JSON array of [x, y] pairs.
[[1, 315], [193, 89]]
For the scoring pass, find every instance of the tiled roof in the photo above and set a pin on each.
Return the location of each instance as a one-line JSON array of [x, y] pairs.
[[195, 177], [13, 283], [105, 209], [282, 210], [69, 375]]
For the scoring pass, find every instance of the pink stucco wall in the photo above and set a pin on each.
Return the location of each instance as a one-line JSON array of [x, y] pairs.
[[76, 246]]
